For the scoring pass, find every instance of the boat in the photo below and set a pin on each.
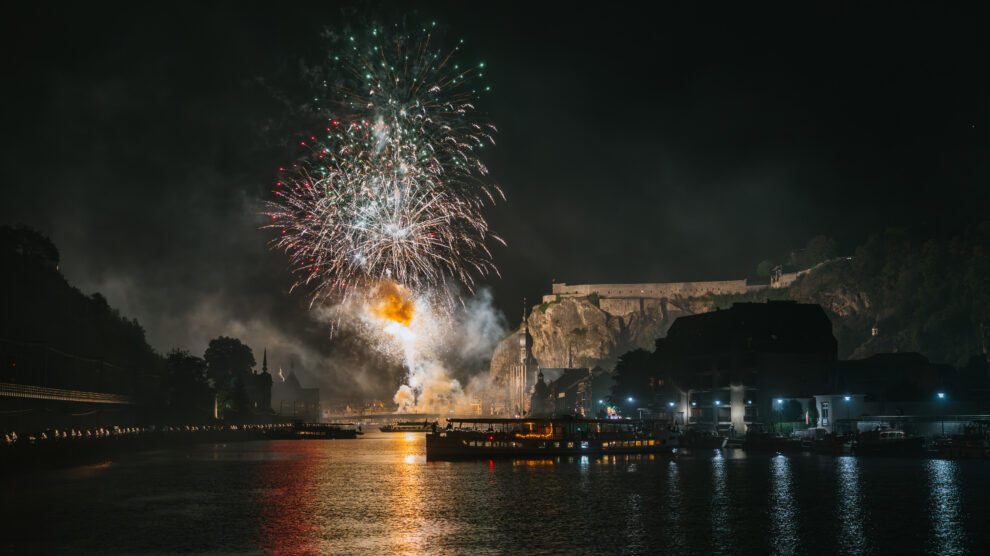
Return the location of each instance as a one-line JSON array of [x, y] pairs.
[[888, 443], [408, 426], [834, 445], [772, 442], [546, 437], [324, 430], [702, 439]]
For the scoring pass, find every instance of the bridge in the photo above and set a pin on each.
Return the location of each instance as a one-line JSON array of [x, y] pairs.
[[26, 391]]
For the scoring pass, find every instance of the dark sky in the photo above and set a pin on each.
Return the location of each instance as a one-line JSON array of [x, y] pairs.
[[683, 144]]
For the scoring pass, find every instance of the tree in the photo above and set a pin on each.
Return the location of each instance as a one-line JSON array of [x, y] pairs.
[[185, 384], [227, 359], [818, 249], [633, 375], [763, 269], [228, 365]]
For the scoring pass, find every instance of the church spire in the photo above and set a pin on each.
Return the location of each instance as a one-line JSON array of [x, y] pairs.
[[264, 362]]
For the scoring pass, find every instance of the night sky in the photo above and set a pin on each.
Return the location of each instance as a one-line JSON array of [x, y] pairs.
[[633, 146]]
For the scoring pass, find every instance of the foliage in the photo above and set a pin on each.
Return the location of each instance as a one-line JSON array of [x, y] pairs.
[[818, 249], [632, 376], [544, 306], [927, 293], [185, 383], [227, 358], [593, 299], [42, 310], [763, 269]]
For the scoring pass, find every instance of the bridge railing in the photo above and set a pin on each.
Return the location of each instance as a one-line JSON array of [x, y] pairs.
[[26, 391]]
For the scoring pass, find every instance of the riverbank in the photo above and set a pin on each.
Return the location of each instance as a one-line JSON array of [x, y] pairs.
[[65, 448]]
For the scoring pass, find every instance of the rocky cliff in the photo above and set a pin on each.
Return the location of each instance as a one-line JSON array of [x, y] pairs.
[[902, 291], [577, 332]]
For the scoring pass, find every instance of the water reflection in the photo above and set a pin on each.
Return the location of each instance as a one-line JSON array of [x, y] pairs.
[[948, 536], [286, 499], [849, 508], [721, 531], [783, 509], [674, 500]]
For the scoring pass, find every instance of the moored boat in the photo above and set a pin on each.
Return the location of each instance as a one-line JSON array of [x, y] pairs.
[[491, 438], [888, 443], [408, 426], [702, 439], [324, 430]]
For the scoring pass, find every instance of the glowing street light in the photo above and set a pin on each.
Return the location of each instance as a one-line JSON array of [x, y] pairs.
[[671, 404], [941, 396], [630, 399], [847, 398]]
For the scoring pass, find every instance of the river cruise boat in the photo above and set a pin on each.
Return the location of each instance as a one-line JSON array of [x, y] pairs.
[[324, 430], [491, 438], [408, 426]]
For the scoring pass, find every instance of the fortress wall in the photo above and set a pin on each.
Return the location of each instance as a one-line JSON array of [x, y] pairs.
[[671, 289], [788, 278]]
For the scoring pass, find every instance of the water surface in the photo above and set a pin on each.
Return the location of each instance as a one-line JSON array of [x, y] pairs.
[[377, 494]]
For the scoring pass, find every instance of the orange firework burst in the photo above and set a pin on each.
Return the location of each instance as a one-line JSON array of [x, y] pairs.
[[393, 302]]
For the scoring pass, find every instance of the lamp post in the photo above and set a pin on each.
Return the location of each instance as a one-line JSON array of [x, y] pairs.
[[941, 416]]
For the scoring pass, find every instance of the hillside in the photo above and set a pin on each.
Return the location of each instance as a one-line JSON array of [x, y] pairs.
[[922, 292]]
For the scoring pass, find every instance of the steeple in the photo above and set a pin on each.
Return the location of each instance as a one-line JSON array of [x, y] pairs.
[[524, 347], [264, 362]]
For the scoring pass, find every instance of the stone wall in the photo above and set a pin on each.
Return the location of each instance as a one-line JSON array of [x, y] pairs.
[[658, 291]]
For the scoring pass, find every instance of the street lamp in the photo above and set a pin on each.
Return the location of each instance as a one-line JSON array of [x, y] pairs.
[[941, 417], [671, 404], [630, 399]]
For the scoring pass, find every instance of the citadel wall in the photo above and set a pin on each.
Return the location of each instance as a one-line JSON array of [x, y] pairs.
[[626, 297]]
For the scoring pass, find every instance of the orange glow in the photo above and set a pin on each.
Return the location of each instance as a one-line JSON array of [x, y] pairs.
[[533, 435], [393, 302]]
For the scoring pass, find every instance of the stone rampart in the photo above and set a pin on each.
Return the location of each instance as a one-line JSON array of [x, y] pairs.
[[656, 291]]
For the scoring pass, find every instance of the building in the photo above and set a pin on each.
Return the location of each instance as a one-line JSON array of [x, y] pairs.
[[579, 391], [726, 369], [898, 389], [291, 400], [258, 388], [513, 385]]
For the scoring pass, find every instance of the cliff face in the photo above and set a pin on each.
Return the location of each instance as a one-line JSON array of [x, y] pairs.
[[576, 332]]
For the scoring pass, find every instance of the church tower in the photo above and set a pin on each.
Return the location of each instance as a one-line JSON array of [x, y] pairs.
[[520, 373]]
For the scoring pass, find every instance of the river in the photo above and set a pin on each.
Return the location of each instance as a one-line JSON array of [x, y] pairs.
[[378, 494]]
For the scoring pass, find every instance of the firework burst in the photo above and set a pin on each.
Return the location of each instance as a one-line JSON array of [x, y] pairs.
[[394, 188]]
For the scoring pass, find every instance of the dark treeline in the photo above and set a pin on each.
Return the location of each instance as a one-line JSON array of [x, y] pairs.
[[52, 335], [922, 291]]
